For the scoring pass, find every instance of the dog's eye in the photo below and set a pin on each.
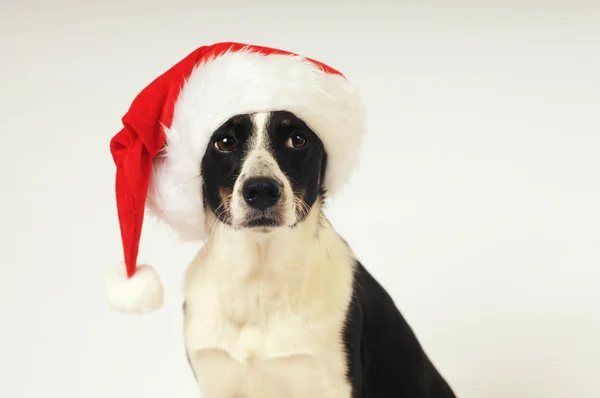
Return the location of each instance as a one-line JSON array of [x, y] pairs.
[[226, 143], [296, 141]]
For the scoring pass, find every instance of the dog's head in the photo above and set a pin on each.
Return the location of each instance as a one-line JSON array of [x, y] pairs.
[[263, 171], [222, 161]]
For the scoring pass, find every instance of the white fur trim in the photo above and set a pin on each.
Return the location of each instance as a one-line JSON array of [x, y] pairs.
[[140, 294], [244, 82]]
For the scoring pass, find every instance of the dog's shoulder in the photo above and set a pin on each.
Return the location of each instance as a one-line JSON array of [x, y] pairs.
[[385, 358]]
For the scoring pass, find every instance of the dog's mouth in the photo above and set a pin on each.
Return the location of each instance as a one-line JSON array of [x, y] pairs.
[[262, 222]]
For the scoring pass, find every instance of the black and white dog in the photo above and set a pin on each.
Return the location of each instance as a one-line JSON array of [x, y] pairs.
[[237, 146], [276, 304]]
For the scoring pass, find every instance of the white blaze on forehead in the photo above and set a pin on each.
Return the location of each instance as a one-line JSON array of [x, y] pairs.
[[259, 161]]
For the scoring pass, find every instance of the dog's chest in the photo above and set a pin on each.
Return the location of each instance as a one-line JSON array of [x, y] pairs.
[[254, 339]]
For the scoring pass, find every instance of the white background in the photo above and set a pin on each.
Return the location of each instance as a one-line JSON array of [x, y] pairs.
[[477, 202]]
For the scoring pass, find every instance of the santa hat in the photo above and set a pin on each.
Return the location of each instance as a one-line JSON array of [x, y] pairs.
[[168, 127]]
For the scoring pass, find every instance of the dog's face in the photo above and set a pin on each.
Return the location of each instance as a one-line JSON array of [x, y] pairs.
[[263, 171]]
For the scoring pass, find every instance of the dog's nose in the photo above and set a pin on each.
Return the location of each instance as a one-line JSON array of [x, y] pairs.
[[261, 192]]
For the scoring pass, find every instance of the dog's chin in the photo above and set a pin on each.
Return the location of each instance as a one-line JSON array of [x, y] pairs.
[[262, 224], [263, 221]]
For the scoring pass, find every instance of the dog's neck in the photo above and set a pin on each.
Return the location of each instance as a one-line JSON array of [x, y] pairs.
[[279, 247], [254, 274]]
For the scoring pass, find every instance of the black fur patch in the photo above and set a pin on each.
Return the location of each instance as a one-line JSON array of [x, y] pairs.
[[385, 359], [220, 170], [304, 167]]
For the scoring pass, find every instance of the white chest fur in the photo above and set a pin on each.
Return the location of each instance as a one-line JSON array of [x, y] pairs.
[[265, 318]]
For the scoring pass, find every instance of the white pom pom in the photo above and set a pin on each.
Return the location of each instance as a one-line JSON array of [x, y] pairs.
[[140, 294]]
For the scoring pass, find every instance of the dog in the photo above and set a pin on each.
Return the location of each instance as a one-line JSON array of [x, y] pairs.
[[276, 304]]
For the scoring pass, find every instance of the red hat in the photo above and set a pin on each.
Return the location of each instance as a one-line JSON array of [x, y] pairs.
[[168, 127]]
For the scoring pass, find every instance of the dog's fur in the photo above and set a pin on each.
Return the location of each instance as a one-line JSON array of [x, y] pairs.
[[276, 304]]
